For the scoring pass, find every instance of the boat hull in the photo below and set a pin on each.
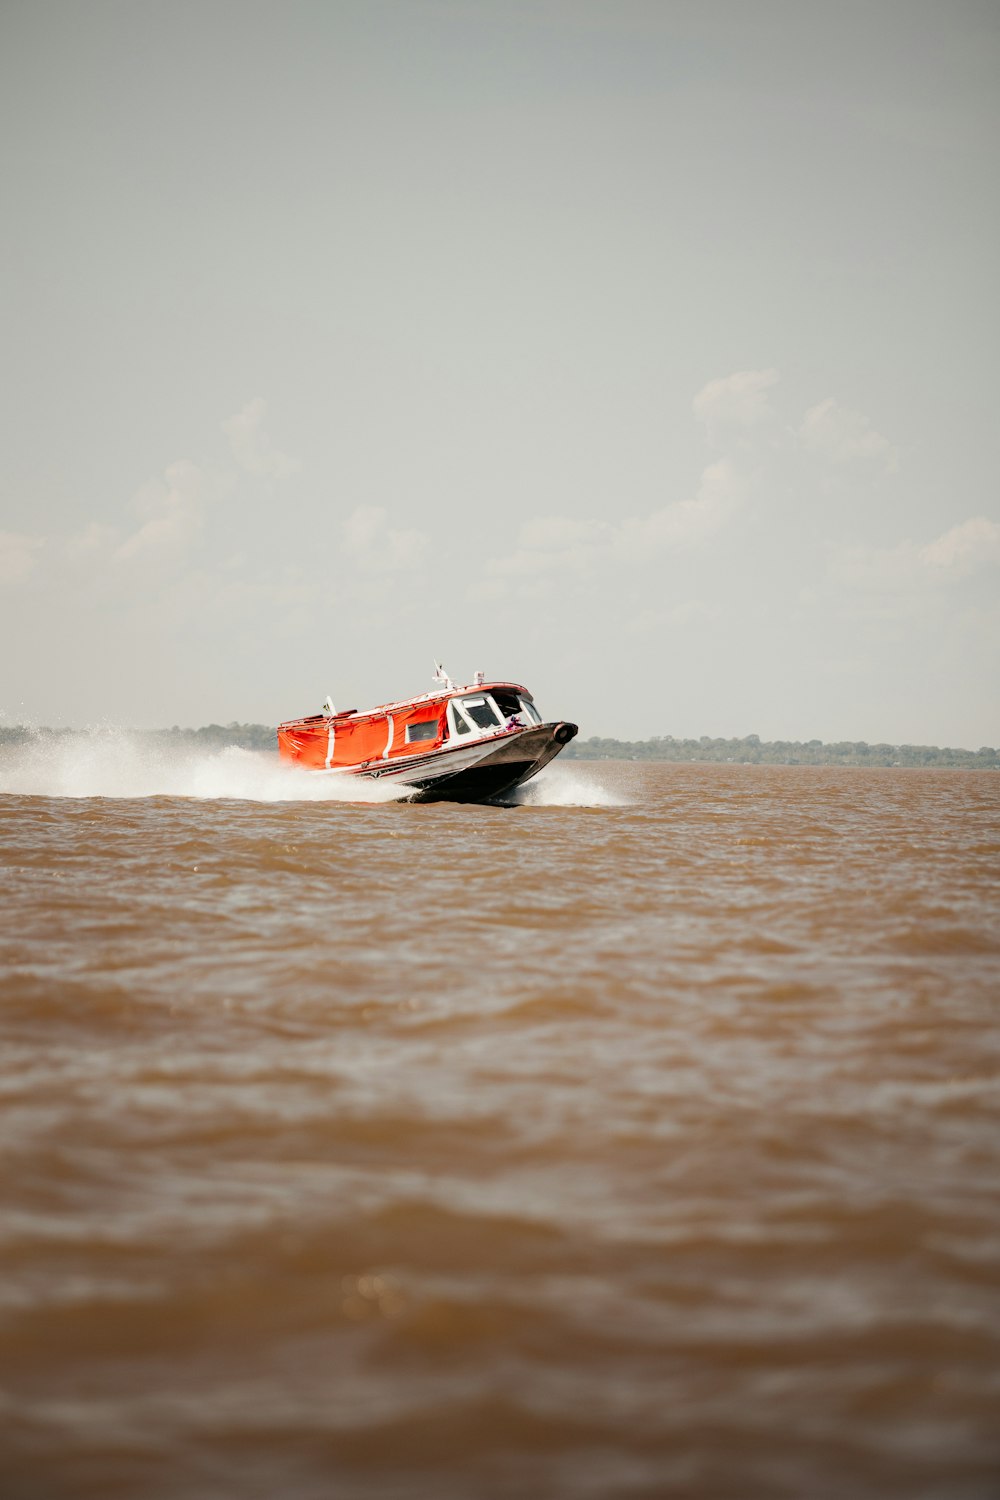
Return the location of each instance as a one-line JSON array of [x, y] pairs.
[[484, 771]]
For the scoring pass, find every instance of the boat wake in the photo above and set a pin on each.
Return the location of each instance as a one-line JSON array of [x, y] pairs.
[[115, 763], [565, 786]]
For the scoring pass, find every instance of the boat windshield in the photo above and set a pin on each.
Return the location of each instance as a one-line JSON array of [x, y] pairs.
[[511, 703], [481, 711]]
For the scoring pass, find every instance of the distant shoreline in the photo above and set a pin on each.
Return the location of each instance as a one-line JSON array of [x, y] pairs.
[[750, 750], [756, 752]]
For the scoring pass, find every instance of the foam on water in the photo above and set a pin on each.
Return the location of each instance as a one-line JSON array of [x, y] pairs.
[[116, 763], [113, 763], [561, 785]]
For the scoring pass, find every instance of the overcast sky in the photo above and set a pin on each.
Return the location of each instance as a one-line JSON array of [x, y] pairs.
[[643, 352]]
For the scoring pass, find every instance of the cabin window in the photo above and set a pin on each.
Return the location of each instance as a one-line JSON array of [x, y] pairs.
[[458, 723], [507, 702], [512, 704], [427, 730], [481, 712]]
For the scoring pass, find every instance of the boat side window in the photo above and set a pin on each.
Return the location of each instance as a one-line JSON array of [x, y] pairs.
[[530, 711], [425, 731], [481, 712]]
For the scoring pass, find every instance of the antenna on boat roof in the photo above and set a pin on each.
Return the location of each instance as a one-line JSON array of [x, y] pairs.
[[328, 708], [441, 676], [478, 679]]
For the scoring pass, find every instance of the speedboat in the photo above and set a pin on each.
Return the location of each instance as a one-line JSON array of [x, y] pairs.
[[458, 744]]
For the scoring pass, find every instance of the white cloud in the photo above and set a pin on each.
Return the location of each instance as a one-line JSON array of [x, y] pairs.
[[843, 436], [973, 544], [88, 545], [686, 523], [17, 555], [828, 430], [549, 544], [376, 547], [738, 400], [562, 533], [252, 448], [908, 569], [878, 570], [688, 614], [174, 511]]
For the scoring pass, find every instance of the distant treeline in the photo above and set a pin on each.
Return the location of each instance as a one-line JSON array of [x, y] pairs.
[[215, 736], [751, 750]]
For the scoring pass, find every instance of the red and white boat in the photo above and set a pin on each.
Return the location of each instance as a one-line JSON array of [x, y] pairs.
[[458, 744]]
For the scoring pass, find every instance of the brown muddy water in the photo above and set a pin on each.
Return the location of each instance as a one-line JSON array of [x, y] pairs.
[[640, 1141]]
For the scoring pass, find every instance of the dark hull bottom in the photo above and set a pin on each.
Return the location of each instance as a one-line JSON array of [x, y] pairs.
[[478, 784]]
